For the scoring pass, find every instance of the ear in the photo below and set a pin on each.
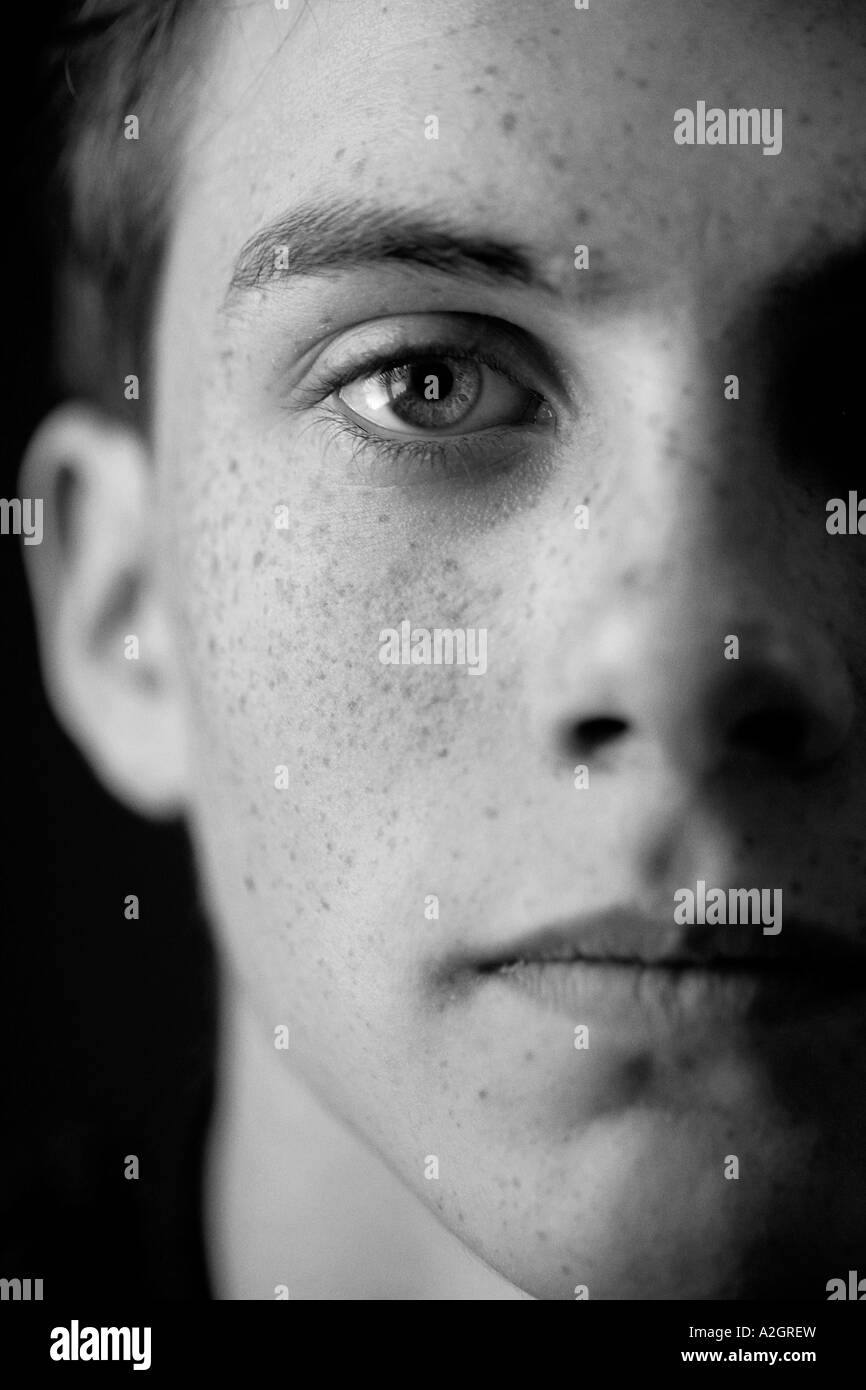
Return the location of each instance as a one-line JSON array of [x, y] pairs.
[[105, 640]]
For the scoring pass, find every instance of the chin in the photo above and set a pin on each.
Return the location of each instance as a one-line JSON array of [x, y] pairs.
[[638, 1209]]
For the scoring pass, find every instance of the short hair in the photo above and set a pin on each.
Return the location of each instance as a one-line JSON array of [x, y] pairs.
[[109, 197]]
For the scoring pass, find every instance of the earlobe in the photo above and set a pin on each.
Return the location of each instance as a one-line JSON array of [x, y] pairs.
[[106, 642]]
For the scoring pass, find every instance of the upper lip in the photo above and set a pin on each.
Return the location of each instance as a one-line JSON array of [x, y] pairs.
[[629, 936]]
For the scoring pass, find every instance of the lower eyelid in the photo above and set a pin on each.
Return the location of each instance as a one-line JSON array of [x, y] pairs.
[[369, 429], [408, 459]]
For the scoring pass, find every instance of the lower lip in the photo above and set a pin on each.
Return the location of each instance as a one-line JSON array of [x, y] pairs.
[[681, 994]]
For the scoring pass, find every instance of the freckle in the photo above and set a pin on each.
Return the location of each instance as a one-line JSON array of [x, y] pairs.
[[492, 70], [358, 167], [641, 82], [482, 1095], [477, 90], [491, 813], [637, 1073], [233, 465], [509, 121], [558, 161], [257, 559], [249, 884], [338, 154], [582, 217], [529, 1056]]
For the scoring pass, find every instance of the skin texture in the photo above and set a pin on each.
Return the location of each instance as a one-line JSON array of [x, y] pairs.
[[558, 1167]]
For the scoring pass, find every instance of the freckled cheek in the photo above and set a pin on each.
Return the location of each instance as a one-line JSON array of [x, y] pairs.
[[288, 656], [378, 757]]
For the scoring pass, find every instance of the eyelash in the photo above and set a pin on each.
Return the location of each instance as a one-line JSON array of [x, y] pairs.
[[442, 457], [430, 457]]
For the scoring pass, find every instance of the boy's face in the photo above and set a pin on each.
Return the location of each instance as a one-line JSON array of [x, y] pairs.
[[602, 1165]]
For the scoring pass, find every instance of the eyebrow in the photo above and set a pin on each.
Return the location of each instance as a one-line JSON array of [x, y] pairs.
[[316, 239], [321, 238]]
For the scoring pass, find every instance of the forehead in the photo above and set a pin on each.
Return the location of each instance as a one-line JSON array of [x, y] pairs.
[[538, 124]]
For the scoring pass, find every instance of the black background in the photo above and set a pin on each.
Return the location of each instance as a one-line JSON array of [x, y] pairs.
[[107, 1024]]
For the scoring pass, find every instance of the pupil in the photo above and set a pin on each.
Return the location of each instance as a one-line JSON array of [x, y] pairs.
[[422, 371]]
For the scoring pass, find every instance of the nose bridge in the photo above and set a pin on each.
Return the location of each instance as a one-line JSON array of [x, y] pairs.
[[692, 481]]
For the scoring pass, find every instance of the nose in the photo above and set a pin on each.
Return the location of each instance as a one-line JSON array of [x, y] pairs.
[[709, 691], [705, 631]]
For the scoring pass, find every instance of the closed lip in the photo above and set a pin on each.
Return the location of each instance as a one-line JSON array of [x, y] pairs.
[[625, 936]]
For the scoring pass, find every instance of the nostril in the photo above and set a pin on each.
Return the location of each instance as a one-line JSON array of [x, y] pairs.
[[591, 734], [774, 733]]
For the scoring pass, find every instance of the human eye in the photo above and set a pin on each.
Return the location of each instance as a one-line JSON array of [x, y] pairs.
[[435, 396], [437, 393]]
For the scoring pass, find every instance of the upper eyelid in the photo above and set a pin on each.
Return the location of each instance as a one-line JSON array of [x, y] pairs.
[[469, 332]]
